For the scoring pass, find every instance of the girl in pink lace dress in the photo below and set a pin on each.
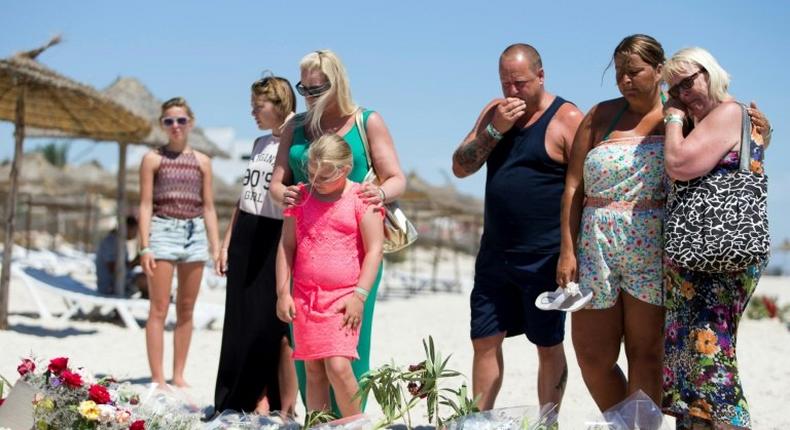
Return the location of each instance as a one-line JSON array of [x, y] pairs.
[[332, 246]]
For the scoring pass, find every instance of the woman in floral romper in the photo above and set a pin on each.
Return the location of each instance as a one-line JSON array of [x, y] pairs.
[[612, 217]]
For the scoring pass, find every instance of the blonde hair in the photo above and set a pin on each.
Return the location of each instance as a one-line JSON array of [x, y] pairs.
[[330, 150], [687, 58], [176, 102], [328, 63], [278, 91]]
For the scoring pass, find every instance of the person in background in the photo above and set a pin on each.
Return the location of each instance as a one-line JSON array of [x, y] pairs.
[[105, 264]]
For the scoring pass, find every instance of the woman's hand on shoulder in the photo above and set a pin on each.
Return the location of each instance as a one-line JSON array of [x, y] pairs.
[[371, 194], [293, 195], [760, 122]]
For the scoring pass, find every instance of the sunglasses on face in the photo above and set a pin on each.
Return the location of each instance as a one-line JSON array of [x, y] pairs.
[[312, 91], [684, 84], [173, 120]]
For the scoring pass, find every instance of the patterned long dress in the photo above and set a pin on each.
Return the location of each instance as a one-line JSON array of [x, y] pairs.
[[700, 379]]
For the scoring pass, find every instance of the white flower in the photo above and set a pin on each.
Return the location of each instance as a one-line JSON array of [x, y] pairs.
[[572, 288], [87, 377], [106, 413]]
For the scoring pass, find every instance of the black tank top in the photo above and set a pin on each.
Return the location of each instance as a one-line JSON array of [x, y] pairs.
[[523, 191]]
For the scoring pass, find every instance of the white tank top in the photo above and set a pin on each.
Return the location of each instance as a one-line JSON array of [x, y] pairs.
[[255, 182]]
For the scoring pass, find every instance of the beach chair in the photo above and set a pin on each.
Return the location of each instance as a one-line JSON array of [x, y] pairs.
[[80, 298], [76, 296]]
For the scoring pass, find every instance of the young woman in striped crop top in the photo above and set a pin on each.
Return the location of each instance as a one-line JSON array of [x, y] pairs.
[[178, 228]]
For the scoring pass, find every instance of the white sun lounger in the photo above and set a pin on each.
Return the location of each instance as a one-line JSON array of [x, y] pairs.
[[78, 297]]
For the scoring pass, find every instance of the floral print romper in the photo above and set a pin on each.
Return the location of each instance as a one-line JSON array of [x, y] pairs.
[[700, 380], [621, 240]]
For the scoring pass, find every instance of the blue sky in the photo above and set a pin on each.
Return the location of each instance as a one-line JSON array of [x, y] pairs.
[[427, 67]]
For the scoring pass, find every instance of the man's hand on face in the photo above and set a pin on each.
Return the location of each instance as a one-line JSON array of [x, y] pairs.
[[507, 113]]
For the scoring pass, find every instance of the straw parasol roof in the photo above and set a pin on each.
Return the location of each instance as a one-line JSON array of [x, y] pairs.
[[134, 96], [441, 198], [53, 101], [32, 95]]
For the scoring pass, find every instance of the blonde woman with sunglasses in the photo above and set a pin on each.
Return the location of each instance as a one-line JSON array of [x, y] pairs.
[[331, 109], [178, 229]]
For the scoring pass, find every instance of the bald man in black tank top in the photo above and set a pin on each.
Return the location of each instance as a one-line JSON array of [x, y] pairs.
[[525, 141]]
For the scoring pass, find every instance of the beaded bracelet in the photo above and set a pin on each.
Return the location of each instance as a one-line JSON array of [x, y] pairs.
[[493, 132]]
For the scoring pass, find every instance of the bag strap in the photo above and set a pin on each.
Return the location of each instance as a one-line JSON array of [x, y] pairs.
[[746, 141], [360, 120]]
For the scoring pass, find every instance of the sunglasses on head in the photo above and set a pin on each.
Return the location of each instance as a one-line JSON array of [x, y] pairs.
[[312, 91], [170, 121], [684, 84]]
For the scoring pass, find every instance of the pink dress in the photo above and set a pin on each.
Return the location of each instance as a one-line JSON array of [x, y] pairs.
[[326, 267]]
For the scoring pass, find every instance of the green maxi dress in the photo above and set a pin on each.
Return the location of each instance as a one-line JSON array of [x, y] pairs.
[[297, 161]]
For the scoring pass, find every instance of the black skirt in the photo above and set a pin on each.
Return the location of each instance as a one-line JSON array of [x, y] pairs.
[[252, 333]]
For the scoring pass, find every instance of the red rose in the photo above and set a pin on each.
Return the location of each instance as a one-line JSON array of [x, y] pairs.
[[99, 394], [57, 365], [25, 367], [73, 380], [137, 425]]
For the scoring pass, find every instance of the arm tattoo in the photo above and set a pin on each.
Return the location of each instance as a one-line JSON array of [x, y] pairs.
[[563, 380], [471, 155]]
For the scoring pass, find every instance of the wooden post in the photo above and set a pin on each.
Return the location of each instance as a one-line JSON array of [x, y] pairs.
[[54, 243], [29, 222], [10, 208], [86, 223], [120, 250]]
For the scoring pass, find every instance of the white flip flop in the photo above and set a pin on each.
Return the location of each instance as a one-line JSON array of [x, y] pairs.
[[575, 298], [568, 299], [551, 300]]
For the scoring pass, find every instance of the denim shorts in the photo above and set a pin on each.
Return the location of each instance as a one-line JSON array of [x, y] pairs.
[[179, 240]]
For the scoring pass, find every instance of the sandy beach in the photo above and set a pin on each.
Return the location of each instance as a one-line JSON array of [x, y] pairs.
[[401, 322]]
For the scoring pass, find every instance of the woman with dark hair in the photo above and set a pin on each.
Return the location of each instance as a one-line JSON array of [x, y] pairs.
[[612, 216], [256, 372]]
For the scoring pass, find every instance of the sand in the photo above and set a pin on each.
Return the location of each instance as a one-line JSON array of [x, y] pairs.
[[401, 322]]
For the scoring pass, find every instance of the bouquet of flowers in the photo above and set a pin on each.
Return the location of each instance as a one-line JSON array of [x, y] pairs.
[[69, 398]]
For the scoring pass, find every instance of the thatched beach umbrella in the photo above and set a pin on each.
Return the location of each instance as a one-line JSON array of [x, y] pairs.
[[32, 95]]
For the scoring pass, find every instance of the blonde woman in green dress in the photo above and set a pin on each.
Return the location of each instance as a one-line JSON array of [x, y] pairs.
[[330, 109]]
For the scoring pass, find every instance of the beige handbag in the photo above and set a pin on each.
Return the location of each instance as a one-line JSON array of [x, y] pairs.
[[399, 232]]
